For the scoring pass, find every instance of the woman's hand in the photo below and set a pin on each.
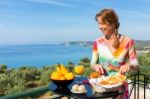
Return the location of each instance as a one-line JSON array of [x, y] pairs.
[[98, 68], [124, 69]]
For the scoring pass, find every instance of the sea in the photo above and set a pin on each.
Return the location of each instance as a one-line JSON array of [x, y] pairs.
[[39, 55]]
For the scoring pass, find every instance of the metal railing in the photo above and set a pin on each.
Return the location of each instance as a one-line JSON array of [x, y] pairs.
[[136, 83], [33, 92]]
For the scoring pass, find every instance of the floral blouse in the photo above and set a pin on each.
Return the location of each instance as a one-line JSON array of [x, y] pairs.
[[124, 54]]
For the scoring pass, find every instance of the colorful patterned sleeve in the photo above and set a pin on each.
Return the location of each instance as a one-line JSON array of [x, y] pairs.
[[132, 54], [94, 54]]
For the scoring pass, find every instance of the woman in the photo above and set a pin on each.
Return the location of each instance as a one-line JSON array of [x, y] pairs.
[[112, 53]]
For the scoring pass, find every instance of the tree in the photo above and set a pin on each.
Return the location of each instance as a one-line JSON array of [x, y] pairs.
[[70, 63], [3, 68], [85, 61]]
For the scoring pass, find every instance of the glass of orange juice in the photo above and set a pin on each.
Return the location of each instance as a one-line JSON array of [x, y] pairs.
[[79, 69]]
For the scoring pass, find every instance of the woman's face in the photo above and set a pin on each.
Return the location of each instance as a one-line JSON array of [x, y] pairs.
[[106, 28]]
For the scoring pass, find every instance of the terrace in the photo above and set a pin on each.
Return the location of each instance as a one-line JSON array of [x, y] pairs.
[[138, 89]]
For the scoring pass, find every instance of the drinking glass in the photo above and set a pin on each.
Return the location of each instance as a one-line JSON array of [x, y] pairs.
[[79, 69]]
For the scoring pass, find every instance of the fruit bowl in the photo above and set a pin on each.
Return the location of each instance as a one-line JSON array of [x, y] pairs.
[[62, 83], [62, 77]]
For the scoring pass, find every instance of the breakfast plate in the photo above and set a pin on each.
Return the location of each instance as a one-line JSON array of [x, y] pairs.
[[78, 92], [113, 81], [78, 89], [108, 83]]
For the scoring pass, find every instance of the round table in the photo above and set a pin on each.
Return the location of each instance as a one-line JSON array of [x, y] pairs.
[[89, 94]]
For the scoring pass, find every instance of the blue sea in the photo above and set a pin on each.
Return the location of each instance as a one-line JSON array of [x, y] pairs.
[[40, 55]]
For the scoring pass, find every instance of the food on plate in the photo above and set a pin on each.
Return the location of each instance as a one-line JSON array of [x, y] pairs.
[[112, 80], [81, 88], [122, 77], [77, 88], [94, 75], [104, 82], [64, 97], [107, 83]]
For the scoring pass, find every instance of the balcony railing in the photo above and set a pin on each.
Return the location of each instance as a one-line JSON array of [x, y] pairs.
[[31, 93], [136, 83]]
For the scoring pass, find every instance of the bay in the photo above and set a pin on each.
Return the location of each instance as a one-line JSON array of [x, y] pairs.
[[39, 55]]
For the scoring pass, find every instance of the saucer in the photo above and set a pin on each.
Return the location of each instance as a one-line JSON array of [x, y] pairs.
[[77, 92]]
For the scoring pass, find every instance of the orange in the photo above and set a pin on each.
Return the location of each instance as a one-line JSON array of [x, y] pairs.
[[69, 76], [58, 69], [62, 78], [55, 76], [61, 69]]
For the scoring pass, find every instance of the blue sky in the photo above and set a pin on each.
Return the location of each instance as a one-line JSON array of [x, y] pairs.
[[51, 21]]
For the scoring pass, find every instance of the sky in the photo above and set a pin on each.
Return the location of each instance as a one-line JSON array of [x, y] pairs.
[[53, 21]]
